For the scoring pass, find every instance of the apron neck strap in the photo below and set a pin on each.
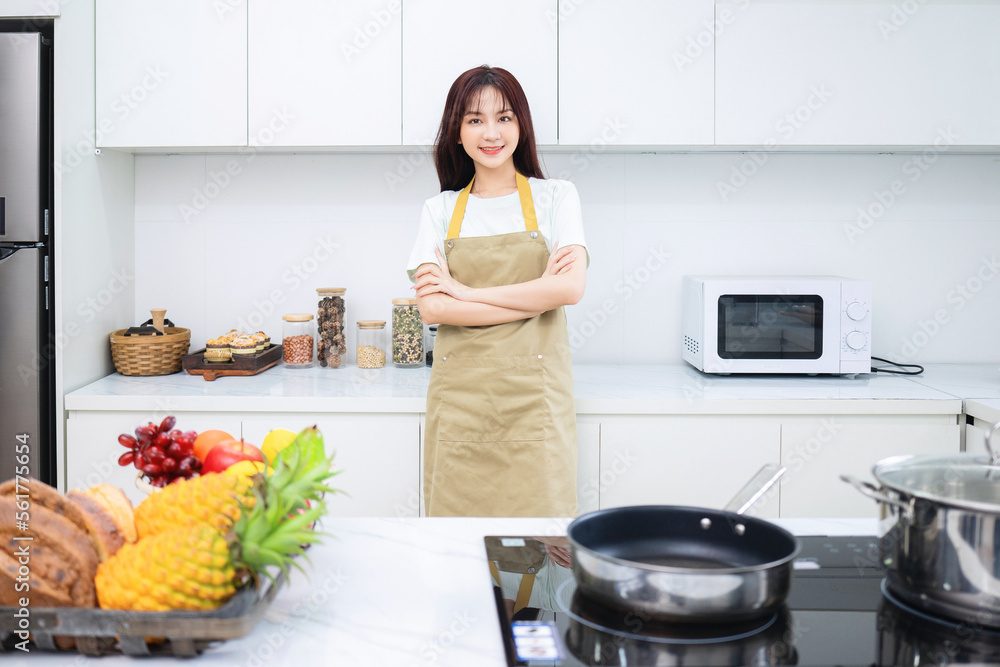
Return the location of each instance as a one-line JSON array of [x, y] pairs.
[[523, 192]]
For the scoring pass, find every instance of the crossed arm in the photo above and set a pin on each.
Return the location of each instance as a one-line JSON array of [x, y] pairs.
[[443, 300]]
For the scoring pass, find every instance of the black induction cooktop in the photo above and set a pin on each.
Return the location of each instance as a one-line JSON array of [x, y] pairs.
[[836, 613]]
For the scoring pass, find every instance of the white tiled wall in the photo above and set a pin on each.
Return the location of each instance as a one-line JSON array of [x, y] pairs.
[[226, 240]]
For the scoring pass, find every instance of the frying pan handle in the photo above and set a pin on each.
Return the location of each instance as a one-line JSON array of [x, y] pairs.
[[870, 490], [753, 490]]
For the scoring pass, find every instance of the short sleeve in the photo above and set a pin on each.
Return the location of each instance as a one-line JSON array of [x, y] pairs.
[[430, 235], [567, 216]]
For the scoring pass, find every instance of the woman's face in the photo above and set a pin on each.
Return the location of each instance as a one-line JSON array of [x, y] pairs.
[[489, 132]]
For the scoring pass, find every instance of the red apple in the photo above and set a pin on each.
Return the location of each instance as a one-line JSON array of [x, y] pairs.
[[228, 452]]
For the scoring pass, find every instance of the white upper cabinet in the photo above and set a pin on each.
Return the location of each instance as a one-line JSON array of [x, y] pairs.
[[443, 38], [324, 73], [636, 72], [858, 74], [171, 73]]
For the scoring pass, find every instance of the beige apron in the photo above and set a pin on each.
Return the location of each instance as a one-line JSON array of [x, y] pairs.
[[500, 435]]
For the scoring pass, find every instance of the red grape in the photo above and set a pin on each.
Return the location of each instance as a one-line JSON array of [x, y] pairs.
[[125, 440], [169, 465], [160, 481], [167, 423], [176, 451], [126, 458], [154, 454], [161, 440], [145, 433], [151, 470]]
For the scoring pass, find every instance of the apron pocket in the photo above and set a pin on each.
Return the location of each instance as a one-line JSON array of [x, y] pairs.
[[493, 399]]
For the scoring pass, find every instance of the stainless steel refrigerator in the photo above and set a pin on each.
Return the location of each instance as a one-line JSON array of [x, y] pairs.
[[27, 338]]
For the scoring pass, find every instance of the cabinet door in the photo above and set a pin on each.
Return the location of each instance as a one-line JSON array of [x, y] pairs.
[[856, 73], [817, 450], [92, 448], [695, 461], [171, 73], [324, 73], [377, 454], [588, 469], [636, 72], [443, 38]]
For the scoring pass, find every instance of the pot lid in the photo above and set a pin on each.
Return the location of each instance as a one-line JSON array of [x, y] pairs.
[[968, 481]]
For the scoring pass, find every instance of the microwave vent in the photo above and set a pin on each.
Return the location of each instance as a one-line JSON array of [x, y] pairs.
[[691, 345]]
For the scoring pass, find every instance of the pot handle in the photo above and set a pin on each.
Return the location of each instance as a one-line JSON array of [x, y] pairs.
[[870, 490], [994, 455], [753, 490]]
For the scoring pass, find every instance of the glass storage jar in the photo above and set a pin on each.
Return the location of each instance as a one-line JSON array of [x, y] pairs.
[[297, 340], [371, 343], [331, 343], [407, 334], [432, 331]]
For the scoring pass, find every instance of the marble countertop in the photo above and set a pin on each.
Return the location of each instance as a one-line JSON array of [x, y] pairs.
[[600, 389], [391, 593]]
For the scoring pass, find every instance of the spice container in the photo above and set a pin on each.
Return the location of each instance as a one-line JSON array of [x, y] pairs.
[[330, 326], [407, 334], [432, 331], [371, 343], [297, 340]]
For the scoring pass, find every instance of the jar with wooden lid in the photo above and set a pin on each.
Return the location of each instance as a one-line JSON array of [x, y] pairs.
[[297, 340], [407, 334], [331, 343], [371, 343]]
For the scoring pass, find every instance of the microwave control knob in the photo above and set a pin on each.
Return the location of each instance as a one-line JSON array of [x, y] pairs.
[[856, 340], [857, 310]]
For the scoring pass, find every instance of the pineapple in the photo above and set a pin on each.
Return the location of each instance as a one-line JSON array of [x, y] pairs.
[[214, 498], [199, 566]]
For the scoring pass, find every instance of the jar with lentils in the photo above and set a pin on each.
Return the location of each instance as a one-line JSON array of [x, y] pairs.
[[407, 334], [297, 340], [331, 344], [371, 343]]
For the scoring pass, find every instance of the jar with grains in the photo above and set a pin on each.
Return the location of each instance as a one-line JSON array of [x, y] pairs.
[[371, 343], [297, 340], [407, 334], [330, 325]]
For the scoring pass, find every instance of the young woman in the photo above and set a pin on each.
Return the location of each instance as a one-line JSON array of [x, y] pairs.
[[499, 252]]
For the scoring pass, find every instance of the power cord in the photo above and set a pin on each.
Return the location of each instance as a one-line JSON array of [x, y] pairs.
[[920, 369]]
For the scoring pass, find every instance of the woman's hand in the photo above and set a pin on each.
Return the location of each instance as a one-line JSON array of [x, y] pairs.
[[436, 278], [560, 261]]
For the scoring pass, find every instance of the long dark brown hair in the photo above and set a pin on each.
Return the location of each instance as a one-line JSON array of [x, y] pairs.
[[454, 166]]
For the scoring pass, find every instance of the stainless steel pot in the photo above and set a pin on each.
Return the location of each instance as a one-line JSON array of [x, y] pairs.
[[685, 563], [940, 532]]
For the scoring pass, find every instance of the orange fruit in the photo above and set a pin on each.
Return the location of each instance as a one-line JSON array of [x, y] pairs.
[[208, 439]]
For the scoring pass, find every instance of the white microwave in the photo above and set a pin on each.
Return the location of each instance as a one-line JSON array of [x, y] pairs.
[[777, 324]]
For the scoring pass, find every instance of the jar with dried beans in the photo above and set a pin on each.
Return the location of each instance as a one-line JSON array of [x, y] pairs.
[[332, 344]]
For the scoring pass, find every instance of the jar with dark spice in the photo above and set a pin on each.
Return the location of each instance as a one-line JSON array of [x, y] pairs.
[[331, 344], [407, 334], [297, 340]]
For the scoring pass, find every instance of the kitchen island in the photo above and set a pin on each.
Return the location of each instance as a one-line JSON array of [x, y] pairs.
[[391, 592]]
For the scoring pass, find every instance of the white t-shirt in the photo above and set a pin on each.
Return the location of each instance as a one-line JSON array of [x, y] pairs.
[[557, 208]]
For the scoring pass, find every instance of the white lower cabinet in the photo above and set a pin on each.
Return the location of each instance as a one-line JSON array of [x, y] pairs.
[[377, 454], [700, 461], [818, 450]]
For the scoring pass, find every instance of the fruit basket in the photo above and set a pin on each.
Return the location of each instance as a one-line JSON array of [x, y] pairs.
[[97, 632]]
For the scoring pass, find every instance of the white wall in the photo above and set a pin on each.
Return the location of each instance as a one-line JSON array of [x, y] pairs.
[[237, 240]]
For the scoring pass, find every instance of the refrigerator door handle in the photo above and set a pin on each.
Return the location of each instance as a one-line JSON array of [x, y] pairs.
[[3, 216]]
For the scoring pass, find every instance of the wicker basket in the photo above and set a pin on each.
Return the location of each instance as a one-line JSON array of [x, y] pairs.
[[150, 355]]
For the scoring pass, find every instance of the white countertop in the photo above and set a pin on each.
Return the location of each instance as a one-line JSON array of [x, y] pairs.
[[600, 389], [392, 593]]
